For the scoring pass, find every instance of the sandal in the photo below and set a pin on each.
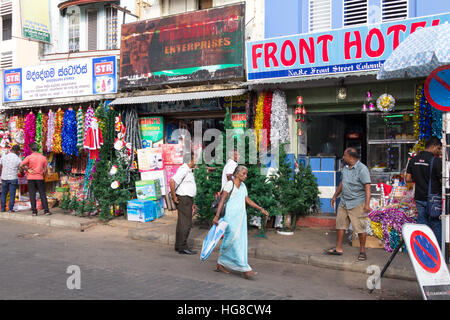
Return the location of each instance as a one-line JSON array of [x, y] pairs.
[[362, 256], [249, 274], [333, 252], [220, 268]]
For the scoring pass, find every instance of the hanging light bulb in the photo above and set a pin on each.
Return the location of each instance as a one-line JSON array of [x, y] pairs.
[[364, 108], [371, 107], [299, 100], [303, 110]]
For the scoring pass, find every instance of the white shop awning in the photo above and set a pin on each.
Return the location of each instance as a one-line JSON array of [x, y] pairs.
[[178, 96]]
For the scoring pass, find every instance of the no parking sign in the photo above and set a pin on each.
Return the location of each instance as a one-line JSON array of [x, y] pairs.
[[437, 88], [429, 265]]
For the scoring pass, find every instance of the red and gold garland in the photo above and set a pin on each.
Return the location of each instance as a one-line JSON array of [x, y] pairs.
[[57, 143]]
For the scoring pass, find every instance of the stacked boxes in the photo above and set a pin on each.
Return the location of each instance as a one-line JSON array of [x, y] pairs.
[[149, 205]]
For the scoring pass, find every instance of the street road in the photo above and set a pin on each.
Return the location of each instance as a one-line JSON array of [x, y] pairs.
[[34, 262]]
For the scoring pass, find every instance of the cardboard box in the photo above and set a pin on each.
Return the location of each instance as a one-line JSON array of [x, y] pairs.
[[371, 242], [148, 190], [153, 175], [141, 210]]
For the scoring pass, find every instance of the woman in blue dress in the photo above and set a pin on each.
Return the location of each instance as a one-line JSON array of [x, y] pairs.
[[233, 251]]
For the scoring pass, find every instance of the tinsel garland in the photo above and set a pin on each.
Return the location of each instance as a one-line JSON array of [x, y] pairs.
[[425, 118], [30, 133], [57, 143], [20, 122], [44, 124], [279, 119], [132, 136], [100, 114], [249, 107], [436, 123], [417, 112], [389, 217], [80, 128], [395, 239], [69, 133], [39, 130], [50, 130], [259, 117], [87, 120], [267, 111]]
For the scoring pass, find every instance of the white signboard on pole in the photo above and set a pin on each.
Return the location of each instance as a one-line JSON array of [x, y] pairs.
[[428, 262]]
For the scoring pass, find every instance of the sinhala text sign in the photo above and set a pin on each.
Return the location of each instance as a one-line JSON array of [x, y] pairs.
[[78, 77], [426, 258]]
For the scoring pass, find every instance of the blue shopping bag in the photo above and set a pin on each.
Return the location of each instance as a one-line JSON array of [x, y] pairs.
[[212, 239]]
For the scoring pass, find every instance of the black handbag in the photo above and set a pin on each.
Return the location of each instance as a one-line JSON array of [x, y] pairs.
[[434, 202], [215, 203]]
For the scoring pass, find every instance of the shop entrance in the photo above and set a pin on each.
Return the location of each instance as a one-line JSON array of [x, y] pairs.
[[330, 134]]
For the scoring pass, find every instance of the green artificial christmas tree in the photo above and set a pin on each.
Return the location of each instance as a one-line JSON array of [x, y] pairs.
[[65, 201]]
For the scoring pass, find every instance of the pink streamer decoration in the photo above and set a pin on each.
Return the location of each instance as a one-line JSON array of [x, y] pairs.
[[30, 133], [50, 130], [87, 120]]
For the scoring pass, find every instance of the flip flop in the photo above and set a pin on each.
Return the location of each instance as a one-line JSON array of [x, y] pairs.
[[333, 252], [249, 275], [220, 268], [362, 256]]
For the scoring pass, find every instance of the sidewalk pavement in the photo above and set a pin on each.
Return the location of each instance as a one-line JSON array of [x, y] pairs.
[[304, 247]]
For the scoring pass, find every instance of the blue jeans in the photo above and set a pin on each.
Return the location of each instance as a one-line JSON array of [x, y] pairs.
[[434, 223], [11, 187]]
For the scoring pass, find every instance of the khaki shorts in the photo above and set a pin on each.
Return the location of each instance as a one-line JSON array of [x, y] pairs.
[[356, 216]]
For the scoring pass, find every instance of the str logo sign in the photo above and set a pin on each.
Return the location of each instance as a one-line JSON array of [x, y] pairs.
[[12, 78], [104, 68]]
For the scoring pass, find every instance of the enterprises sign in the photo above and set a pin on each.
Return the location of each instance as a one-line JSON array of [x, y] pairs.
[[336, 51], [72, 78], [36, 20], [189, 47]]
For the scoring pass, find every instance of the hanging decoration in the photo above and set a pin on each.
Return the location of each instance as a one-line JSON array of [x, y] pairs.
[[100, 114], [39, 130], [50, 130], [385, 103], [267, 111], [57, 142], [115, 184], [87, 120], [30, 133], [279, 119], [132, 138], [80, 128], [368, 102], [93, 140], [436, 122], [249, 109], [44, 132], [113, 170], [69, 133], [426, 118], [259, 117]]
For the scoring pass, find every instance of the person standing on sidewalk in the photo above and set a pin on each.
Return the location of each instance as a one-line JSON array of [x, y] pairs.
[[10, 164], [418, 171], [355, 202], [230, 166], [183, 196], [36, 164]]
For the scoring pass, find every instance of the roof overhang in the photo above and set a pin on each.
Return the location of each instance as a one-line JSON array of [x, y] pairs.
[[178, 96]]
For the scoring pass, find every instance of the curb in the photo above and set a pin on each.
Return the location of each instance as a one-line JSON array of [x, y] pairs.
[[49, 221], [315, 260]]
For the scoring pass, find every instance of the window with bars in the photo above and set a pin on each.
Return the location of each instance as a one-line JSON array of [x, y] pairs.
[[355, 12], [394, 10], [74, 31], [112, 28], [6, 27], [319, 15]]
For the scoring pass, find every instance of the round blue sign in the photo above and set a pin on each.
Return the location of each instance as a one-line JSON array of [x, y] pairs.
[[437, 88]]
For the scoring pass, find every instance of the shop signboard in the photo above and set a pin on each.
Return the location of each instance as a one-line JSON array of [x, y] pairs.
[[35, 20], [78, 77], [239, 120], [344, 50], [427, 260], [152, 131], [189, 47]]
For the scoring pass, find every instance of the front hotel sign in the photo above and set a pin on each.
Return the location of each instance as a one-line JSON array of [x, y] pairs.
[[336, 51]]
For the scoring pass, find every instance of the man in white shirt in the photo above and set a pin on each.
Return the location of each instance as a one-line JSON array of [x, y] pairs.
[[10, 165], [230, 166], [184, 189]]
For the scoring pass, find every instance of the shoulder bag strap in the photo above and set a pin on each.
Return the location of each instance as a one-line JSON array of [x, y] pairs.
[[431, 171], [176, 188]]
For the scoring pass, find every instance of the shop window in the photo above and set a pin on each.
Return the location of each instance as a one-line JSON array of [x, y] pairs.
[[74, 30], [394, 10], [112, 28], [6, 27], [319, 15], [355, 12]]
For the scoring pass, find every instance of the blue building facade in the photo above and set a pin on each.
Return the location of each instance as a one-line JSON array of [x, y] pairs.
[[286, 17]]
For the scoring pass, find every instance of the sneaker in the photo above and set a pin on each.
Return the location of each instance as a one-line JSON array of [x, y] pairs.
[[47, 213], [34, 214]]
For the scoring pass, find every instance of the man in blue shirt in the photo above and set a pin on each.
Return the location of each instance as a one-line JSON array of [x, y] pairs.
[[355, 202]]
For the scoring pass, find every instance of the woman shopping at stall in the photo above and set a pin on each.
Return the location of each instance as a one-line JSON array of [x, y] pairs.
[[233, 251]]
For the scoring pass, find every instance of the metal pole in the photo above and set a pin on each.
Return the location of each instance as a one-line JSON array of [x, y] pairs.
[[445, 186]]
